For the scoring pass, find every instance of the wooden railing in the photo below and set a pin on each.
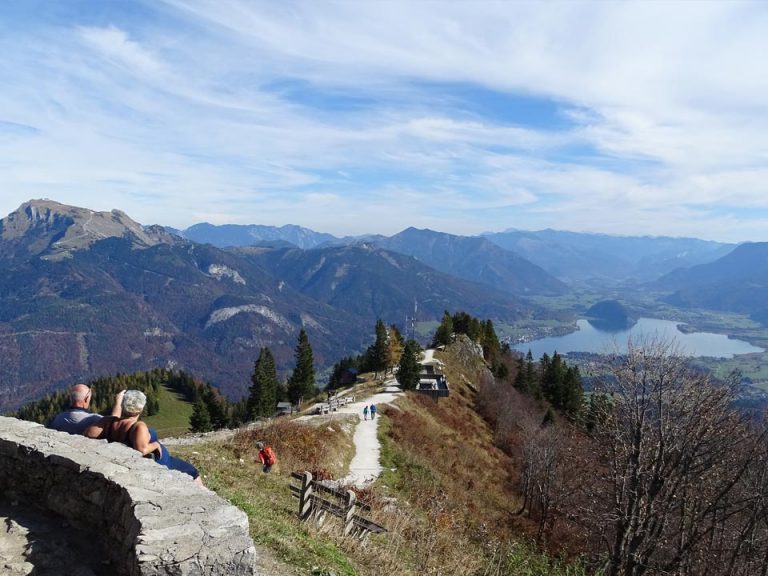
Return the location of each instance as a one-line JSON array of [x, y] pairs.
[[316, 501]]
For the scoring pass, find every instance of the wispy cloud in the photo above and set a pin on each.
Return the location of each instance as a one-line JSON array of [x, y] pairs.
[[347, 117]]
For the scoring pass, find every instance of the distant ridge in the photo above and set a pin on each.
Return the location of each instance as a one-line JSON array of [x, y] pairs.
[[372, 282], [476, 259], [577, 257], [232, 235], [469, 257], [737, 282]]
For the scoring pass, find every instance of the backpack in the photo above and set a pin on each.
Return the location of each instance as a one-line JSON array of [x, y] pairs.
[[269, 456]]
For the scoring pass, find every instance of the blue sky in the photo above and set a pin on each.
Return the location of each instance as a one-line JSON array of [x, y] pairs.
[[626, 118]]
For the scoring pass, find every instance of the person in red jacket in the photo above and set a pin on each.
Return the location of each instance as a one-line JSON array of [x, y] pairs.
[[266, 456]]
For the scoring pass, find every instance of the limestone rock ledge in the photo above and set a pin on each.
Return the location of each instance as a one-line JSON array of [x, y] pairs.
[[153, 521]]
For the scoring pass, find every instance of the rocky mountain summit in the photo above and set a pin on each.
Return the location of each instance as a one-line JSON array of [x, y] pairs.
[[54, 231]]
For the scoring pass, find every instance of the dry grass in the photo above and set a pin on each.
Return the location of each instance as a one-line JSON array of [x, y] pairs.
[[323, 446], [446, 495]]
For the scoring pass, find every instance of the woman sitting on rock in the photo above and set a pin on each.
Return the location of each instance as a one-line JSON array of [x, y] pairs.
[[129, 430]]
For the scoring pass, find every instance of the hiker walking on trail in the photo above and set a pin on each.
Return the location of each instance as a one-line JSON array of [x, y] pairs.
[[266, 456], [373, 411], [365, 413]]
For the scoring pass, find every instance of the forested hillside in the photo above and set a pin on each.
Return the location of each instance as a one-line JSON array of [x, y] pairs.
[[219, 413]]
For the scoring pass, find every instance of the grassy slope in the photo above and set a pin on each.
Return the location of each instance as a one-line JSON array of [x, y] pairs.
[[446, 496], [173, 417]]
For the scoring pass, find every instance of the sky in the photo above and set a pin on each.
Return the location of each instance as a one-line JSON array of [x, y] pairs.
[[371, 116]]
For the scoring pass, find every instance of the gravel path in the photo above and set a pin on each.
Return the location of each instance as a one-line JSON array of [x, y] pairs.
[[365, 466]]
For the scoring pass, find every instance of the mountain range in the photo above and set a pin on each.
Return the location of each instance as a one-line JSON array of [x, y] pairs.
[[86, 294], [602, 260], [573, 258], [737, 282]]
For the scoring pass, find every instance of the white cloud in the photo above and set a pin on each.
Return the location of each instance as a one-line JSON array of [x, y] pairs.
[[180, 113], [114, 44]]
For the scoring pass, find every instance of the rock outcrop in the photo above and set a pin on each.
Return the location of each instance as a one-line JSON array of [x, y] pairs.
[[152, 521]]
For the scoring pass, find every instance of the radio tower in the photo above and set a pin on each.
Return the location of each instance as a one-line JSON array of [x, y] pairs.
[[412, 326]]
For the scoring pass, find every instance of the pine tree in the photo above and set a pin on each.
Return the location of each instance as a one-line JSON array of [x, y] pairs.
[[263, 392], [301, 384], [549, 418], [444, 332], [408, 370], [380, 348], [573, 393], [217, 410], [200, 421], [534, 384], [553, 382], [490, 342]]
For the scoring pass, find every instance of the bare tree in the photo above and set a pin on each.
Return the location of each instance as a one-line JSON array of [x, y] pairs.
[[679, 490], [543, 482]]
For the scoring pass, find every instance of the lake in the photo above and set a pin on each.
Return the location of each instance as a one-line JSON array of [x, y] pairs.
[[588, 338]]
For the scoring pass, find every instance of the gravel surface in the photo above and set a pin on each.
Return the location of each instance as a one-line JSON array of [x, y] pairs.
[[38, 543]]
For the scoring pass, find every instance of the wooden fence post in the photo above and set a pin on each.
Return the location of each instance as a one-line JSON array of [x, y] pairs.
[[305, 498], [349, 512]]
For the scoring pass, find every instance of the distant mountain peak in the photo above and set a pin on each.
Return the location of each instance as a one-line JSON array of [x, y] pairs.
[[53, 230]]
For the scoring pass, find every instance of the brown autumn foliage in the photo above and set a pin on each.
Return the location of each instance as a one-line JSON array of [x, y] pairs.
[[546, 461], [319, 449], [673, 479]]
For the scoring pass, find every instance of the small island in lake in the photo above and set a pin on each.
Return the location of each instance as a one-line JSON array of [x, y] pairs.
[[609, 315]]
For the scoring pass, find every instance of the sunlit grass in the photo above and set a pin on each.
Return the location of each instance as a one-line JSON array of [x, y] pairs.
[[445, 495], [173, 417]]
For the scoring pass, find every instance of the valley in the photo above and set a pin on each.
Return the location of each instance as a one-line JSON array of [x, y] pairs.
[[88, 294], [565, 310]]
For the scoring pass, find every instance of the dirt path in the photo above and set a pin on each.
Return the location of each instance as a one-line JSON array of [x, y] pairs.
[[365, 466]]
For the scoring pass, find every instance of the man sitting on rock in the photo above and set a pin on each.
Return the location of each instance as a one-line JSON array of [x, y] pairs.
[[78, 417]]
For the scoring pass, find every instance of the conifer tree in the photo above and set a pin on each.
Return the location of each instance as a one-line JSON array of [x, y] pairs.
[[409, 369], [444, 332], [526, 380], [522, 383], [217, 410], [534, 386], [380, 348], [200, 421], [490, 342], [573, 392], [553, 381], [263, 392], [301, 384]]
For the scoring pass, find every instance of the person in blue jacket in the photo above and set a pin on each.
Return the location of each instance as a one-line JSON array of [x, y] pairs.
[[373, 411]]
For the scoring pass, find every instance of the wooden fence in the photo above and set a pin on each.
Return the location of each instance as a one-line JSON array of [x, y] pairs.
[[317, 501]]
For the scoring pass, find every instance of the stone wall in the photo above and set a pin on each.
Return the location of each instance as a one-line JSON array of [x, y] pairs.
[[151, 520]]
